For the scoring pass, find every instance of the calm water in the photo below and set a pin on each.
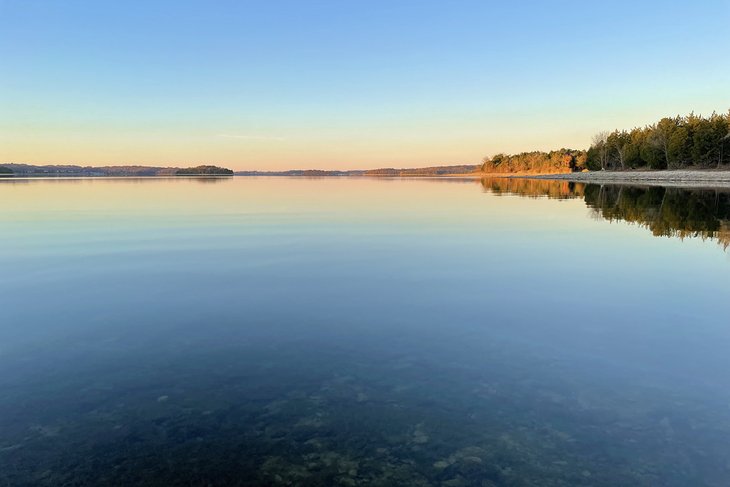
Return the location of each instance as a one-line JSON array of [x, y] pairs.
[[351, 331]]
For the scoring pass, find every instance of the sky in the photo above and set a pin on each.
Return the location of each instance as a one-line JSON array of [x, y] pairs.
[[276, 85]]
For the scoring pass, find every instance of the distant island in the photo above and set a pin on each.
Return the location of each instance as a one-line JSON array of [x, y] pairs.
[[204, 171], [5, 171]]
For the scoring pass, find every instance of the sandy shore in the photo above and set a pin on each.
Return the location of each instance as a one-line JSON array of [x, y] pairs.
[[684, 178]]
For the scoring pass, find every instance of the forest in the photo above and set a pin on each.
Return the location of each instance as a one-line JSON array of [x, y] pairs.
[[681, 142], [671, 143]]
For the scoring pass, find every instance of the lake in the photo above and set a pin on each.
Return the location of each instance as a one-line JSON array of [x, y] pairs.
[[352, 331]]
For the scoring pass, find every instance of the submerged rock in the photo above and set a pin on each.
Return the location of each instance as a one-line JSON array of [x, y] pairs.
[[419, 435], [441, 464]]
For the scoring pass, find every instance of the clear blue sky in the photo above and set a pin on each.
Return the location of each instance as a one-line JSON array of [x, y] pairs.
[[283, 84]]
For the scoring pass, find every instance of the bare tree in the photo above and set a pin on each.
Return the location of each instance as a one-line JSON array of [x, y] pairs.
[[623, 145], [600, 142]]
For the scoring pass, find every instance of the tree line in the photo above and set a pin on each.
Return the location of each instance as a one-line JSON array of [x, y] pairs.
[[109, 171], [557, 161], [671, 143], [204, 171], [691, 141]]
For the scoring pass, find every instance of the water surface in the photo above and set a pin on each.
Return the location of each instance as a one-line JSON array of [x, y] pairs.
[[274, 331]]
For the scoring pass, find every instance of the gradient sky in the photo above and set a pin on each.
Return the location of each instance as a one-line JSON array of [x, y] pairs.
[[345, 84]]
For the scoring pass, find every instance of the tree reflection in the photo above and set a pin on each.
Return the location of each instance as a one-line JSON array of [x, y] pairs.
[[666, 212], [533, 188]]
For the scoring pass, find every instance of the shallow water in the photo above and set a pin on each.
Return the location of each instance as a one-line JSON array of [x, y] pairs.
[[274, 331]]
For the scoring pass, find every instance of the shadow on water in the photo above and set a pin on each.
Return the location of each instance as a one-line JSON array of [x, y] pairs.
[[666, 212]]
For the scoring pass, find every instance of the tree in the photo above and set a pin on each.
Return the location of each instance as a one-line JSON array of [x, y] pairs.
[[600, 144], [633, 151], [702, 139], [678, 147], [619, 143], [660, 135]]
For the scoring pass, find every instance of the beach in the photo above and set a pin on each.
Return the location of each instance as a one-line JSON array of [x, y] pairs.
[[685, 178]]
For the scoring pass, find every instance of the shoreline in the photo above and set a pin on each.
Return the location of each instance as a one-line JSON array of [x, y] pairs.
[[693, 178]]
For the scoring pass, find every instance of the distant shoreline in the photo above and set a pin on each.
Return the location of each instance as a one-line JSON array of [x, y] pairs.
[[22, 170], [706, 178]]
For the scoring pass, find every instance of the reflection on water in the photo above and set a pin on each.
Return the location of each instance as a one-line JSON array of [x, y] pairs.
[[668, 212], [360, 332], [533, 188], [673, 212]]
